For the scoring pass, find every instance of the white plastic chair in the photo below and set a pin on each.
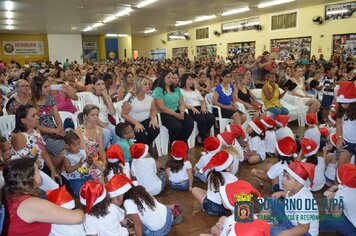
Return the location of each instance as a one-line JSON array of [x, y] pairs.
[[7, 125], [78, 104], [163, 136], [82, 95], [222, 121], [118, 108], [64, 115], [297, 109]]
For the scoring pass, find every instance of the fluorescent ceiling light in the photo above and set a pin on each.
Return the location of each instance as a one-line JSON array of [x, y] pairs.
[[9, 5], [88, 29], [124, 12], [9, 14], [202, 18], [231, 12], [110, 18], [180, 23], [273, 3], [336, 11], [116, 35], [176, 37], [149, 31], [9, 22], [145, 3], [96, 25], [10, 27]]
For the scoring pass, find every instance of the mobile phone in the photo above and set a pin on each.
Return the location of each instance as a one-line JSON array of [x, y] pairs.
[[56, 86]]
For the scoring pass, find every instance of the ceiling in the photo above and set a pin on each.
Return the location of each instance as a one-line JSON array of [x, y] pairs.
[[72, 16]]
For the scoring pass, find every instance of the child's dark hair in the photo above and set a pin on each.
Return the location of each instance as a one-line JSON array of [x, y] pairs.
[[312, 159], [175, 165], [120, 128], [216, 180], [350, 112], [99, 210], [314, 83], [254, 134], [70, 137], [115, 167], [286, 159], [138, 195]]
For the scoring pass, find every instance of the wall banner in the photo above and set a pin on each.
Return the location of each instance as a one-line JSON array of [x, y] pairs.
[[23, 47]]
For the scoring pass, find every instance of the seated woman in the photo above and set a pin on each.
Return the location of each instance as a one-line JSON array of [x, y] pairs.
[[169, 101], [202, 84], [28, 213], [51, 126], [27, 142], [21, 97], [271, 95], [196, 105], [139, 109], [225, 97], [101, 99], [126, 85], [299, 91]]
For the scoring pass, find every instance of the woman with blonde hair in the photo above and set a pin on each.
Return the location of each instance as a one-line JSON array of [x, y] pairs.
[[140, 111]]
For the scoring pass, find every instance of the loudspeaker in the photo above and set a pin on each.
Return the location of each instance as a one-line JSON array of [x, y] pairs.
[[258, 27], [217, 33], [318, 19], [164, 42], [187, 37]]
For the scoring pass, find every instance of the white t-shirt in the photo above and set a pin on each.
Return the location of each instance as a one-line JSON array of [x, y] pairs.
[[204, 159], [348, 130], [215, 196], [60, 230], [330, 171], [73, 160], [313, 133], [145, 171], [125, 170], [98, 101], [238, 158], [108, 225], [277, 170], [319, 176], [258, 145], [270, 141], [348, 196], [140, 110], [154, 220], [291, 213], [230, 220], [284, 132], [181, 175], [192, 98]]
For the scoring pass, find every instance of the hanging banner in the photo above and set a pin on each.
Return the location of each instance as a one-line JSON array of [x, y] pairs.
[[23, 47], [90, 50]]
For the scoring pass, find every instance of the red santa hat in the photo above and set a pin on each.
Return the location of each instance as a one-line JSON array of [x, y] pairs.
[[346, 92], [269, 122], [61, 197], [179, 150], [115, 154], [324, 132], [227, 138], [301, 171], [257, 126], [282, 120], [118, 185], [332, 118], [237, 131], [219, 162], [286, 146], [333, 139], [346, 175], [310, 119], [92, 193], [254, 228], [212, 145], [229, 192], [138, 150], [309, 147]]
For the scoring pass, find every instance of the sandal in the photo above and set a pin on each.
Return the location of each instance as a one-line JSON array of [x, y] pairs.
[[177, 212]]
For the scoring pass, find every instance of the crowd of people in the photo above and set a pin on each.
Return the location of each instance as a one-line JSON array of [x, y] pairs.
[[105, 159]]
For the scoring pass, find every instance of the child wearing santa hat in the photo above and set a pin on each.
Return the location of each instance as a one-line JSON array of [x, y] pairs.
[[346, 224], [144, 169], [256, 152], [313, 131], [286, 151], [212, 145], [149, 216], [282, 129], [61, 197], [102, 217], [220, 166], [346, 121], [229, 145], [296, 188], [309, 151], [270, 137], [240, 139], [116, 162], [179, 169]]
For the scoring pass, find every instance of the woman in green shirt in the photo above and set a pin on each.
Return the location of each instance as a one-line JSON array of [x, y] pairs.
[[170, 104]]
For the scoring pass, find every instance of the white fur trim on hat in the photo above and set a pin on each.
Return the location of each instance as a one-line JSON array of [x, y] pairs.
[[112, 160], [226, 164], [69, 205], [145, 152], [120, 191], [225, 199], [331, 119], [98, 200], [295, 176], [311, 153], [341, 98], [280, 152], [255, 127], [266, 124]]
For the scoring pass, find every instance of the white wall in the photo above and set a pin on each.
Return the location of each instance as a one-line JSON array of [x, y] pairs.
[[63, 46]]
